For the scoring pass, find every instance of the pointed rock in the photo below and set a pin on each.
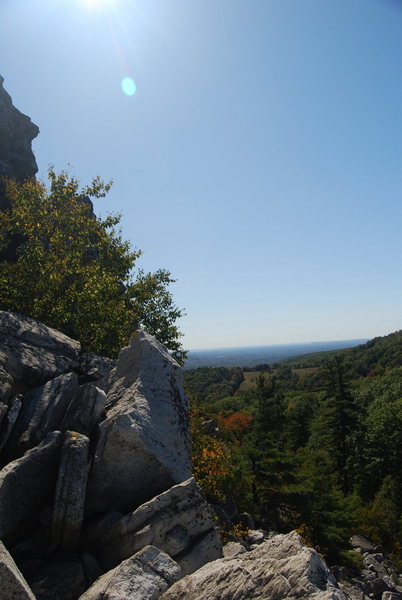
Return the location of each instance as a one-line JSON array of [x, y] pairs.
[[13, 584], [71, 486], [144, 443]]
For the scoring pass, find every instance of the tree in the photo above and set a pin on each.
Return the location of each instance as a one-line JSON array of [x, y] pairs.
[[73, 271], [334, 422]]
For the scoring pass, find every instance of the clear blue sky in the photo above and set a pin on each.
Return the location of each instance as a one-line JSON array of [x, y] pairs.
[[260, 159]]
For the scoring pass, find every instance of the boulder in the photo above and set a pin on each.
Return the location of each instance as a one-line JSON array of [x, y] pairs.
[[16, 134], [43, 410], [279, 568], [204, 549], [178, 521], [94, 367], [359, 542], [13, 584], [9, 419], [61, 578], [71, 486], [144, 443], [85, 410], [6, 385], [144, 576], [31, 352], [25, 482]]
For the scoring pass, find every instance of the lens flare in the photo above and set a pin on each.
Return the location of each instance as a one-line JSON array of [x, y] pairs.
[[128, 86]]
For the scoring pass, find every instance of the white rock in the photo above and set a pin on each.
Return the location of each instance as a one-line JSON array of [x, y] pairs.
[[278, 569], [144, 576], [32, 352], [178, 521], [144, 443]]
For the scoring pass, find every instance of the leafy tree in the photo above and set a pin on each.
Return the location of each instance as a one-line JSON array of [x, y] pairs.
[[72, 270]]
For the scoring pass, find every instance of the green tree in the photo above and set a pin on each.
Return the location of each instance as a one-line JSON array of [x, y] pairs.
[[334, 422], [73, 271]]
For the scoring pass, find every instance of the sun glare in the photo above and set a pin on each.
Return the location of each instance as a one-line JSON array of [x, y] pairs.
[[100, 3]]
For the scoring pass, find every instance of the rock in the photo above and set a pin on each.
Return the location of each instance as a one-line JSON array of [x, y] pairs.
[[175, 521], [13, 584], [26, 481], [375, 587], [16, 134], [144, 443], [280, 568], [358, 541], [3, 411], [92, 568], [371, 563], [256, 536], [232, 549], [144, 576], [353, 592], [71, 485], [59, 579], [10, 419], [6, 385], [43, 410], [203, 550], [32, 352], [84, 410], [94, 367], [391, 596], [31, 553]]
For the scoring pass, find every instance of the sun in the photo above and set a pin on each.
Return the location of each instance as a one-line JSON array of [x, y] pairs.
[[100, 3]]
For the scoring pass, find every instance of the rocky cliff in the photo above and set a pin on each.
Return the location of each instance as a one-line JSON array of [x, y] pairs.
[[97, 500], [16, 134], [96, 462]]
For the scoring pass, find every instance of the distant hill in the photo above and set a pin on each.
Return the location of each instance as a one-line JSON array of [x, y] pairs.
[[373, 355], [255, 355]]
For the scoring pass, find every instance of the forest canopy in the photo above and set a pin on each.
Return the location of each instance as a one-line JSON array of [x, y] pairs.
[[72, 270]]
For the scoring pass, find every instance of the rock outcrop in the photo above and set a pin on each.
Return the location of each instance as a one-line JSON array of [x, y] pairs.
[[96, 498], [176, 521], [279, 568], [84, 442], [145, 576], [32, 353], [16, 134], [378, 578], [144, 442]]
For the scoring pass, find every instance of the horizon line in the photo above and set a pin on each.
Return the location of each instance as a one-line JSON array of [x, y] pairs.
[[281, 344]]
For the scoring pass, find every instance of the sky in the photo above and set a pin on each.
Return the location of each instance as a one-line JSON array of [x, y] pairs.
[[259, 159]]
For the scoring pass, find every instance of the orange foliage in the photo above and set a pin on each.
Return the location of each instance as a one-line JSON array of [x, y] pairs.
[[236, 422]]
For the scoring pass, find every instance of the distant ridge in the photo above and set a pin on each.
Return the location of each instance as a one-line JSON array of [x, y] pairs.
[[253, 355]]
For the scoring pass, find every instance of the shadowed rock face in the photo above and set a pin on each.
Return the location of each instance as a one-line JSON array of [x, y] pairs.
[[17, 131]]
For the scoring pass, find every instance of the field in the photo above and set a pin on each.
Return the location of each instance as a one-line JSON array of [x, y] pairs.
[[250, 377]]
